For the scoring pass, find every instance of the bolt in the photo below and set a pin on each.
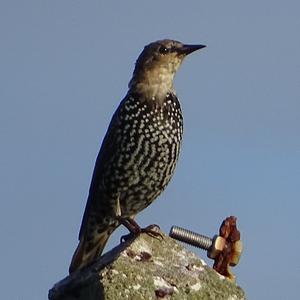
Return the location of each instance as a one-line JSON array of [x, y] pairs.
[[213, 245], [190, 237], [225, 249]]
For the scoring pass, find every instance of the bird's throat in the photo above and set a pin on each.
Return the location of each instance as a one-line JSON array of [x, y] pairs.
[[153, 85]]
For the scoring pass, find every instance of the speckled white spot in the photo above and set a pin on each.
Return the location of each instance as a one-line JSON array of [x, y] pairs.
[[196, 287], [141, 247], [233, 297], [136, 287], [161, 284], [221, 276], [158, 263], [182, 256], [139, 277], [199, 269]]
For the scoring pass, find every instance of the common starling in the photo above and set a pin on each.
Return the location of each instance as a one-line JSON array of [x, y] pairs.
[[139, 151]]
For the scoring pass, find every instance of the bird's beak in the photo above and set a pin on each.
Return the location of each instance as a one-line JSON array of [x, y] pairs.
[[187, 49]]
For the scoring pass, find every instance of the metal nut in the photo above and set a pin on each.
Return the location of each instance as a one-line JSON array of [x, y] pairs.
[[217, 247]]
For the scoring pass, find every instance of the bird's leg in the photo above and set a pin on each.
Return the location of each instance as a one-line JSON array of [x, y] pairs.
[[133, 226], [135, 229]]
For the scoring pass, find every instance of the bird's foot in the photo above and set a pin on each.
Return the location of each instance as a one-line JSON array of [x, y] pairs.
[[151, 230], [136, 230]]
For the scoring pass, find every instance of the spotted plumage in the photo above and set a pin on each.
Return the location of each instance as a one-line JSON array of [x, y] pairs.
[[139, 152]]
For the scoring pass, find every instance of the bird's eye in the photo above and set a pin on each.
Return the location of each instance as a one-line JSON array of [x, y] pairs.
[[163, 50]]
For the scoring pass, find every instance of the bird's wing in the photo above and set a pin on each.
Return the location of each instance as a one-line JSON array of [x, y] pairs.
[[107, 149]]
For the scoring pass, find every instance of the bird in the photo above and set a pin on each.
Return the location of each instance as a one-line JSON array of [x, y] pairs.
[[139, 152]]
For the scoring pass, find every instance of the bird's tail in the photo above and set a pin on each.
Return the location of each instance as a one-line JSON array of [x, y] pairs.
[[87, 251]]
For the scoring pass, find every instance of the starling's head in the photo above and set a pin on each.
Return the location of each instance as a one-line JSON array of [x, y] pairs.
[[157, 65]]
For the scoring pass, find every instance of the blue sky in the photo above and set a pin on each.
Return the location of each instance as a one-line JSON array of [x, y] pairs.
[[65, 66]]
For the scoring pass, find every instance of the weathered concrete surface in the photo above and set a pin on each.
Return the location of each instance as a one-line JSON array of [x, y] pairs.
[[147, 268]]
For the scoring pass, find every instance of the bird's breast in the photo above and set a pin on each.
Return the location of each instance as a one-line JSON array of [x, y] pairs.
[[146, 150]]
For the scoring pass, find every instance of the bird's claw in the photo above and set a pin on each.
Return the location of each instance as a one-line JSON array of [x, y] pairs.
[[136, 230], [151, 230]]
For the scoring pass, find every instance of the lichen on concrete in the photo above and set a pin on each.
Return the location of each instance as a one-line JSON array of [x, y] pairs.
[[152, 268]]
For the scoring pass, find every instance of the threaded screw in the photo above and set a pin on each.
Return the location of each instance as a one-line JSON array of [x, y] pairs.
[[190, 237], [225, 249]]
